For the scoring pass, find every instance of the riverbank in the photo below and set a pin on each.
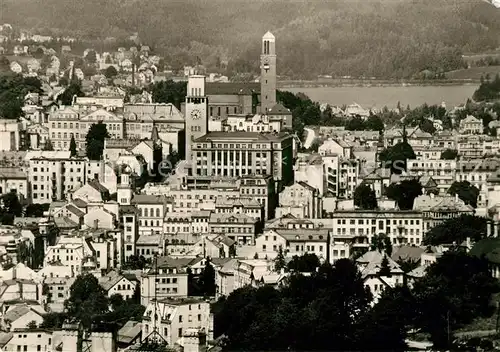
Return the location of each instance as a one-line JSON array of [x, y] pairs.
[[336, 83]]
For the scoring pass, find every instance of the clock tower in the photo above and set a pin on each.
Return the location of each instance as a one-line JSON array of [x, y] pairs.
[[196, 112], [268, 73]]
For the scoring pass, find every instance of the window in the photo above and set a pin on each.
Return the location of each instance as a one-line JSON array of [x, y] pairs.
[[180, 318], [180, 332]]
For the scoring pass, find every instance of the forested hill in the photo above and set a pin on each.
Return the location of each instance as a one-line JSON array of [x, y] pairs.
[[383, 38]]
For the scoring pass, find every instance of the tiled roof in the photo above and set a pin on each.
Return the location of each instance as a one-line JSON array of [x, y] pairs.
[[233, 88], [371, 263], [148, 199], [97, 186], [111, 279], [303, 235], [75, 210], [279, 109], [407, 253]]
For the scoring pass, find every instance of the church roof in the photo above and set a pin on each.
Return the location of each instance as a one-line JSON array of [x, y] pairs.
[[232, 88]]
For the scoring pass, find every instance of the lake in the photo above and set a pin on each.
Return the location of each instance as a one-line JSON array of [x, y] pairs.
[[380, 96]]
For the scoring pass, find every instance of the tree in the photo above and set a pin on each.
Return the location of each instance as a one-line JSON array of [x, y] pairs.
[[95, 140], [382, 243], [385, 327], [116, 301], [449, 154], [456, 230], [395, 157], [91, 57], [87, 300], [53, 320], [306, 263], [48, 145], [404, 193], [74, 89], [4, 64], [374, 123], [427, 126], [279, 261], [36, 210], [72, 146], [32, 325], [467, 192], [355, 124], [455, 290], [385, 268], [11, 204], [207, 279], [169, 92], [364, 197], [110, 72]]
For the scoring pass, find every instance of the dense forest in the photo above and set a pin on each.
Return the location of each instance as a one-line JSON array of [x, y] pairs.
[[379, 38]]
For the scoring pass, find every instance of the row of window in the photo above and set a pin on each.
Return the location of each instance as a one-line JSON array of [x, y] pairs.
[[374, 222]]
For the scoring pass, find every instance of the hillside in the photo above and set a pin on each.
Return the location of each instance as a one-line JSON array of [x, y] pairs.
[[382, 38]]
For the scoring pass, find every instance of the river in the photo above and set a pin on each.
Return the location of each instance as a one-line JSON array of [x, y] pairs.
[[390, 95]]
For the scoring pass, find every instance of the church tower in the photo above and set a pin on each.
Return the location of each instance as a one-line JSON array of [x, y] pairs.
[[268, 73], [196, 112]]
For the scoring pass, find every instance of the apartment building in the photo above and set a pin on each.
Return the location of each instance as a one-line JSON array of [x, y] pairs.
[[176, 318], [477, 172], [237, 154], [442, 171], [167, 279], [240, 228], [437, 209], [402, 227], [53, 174], [342, 176], [152, 210], [302, 195], [293, 242], [14, 179]]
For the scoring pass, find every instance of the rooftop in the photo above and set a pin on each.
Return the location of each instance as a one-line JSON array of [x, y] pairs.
[[244, 136]]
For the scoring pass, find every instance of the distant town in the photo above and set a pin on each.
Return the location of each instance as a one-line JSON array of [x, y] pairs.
[[152, 208]]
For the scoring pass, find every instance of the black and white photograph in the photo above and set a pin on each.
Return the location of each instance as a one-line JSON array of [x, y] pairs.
[[249, 175]]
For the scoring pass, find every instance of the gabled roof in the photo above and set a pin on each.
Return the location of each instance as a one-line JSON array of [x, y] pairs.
[[75, 210], [233, 88], [279, 109], [129, 332], [97, 186], [111, 279], [370, 263]]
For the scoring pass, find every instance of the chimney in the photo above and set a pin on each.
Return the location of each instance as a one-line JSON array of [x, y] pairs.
[[456, 197]]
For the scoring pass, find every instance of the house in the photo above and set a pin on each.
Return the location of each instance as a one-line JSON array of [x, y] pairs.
[[92, 192], [129, 334], [471, 125], [375, 276], [16, 67], [215, 246], [100, 218], [293, 242], [117, 283], [18, 316]]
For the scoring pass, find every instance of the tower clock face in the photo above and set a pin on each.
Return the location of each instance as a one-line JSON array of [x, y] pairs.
[[195, 114], [265, 61]]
